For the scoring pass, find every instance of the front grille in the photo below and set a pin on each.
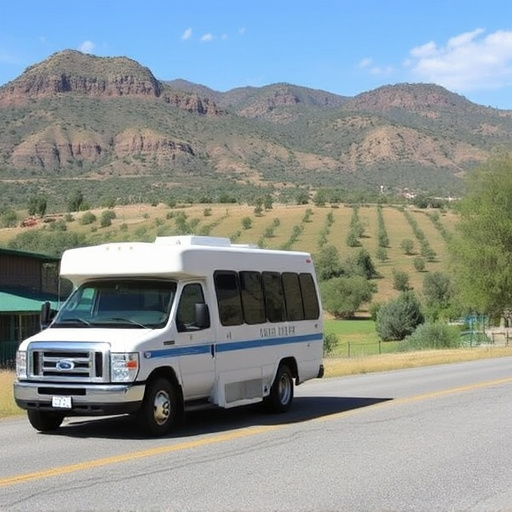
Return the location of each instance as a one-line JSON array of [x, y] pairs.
[[65, 362]]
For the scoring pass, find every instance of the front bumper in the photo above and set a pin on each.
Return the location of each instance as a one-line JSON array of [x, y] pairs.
[[86, 399]]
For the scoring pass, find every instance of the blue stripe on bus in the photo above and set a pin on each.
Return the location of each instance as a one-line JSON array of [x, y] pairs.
[[178, 351], [231, 346], [265, 342]]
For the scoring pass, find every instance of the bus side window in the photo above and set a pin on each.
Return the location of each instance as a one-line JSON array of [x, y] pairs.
[[252, 297], [191, 295], [309, 297], [227, 290], [274, 297], [292, 295]]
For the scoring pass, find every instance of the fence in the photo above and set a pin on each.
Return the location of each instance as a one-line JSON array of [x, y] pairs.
[[8, 354]]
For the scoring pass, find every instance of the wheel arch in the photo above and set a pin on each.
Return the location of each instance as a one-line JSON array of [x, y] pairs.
[[166, 372], [291, 362]]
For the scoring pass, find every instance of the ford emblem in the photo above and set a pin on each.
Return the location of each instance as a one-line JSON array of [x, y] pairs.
[[65, 365]]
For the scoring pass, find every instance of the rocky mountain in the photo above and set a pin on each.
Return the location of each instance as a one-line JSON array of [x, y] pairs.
[[78, 116]]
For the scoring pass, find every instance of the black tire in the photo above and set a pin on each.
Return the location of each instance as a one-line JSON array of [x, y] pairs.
[[45, 421], [161, 408], [281, 394]]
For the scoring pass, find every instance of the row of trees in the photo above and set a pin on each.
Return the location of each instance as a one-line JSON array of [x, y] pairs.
[[480, 279]]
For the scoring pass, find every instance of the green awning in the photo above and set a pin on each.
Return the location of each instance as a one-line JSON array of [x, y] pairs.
[[24, 301]]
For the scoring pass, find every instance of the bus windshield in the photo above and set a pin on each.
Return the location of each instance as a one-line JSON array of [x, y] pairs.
[[130, 303]]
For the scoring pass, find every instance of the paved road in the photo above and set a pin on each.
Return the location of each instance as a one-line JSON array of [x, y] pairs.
[[427, 439]]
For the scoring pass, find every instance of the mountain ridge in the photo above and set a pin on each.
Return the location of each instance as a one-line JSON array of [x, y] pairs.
[[80, 116]]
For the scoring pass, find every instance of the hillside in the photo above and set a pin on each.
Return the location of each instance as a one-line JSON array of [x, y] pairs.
[[109, 125]]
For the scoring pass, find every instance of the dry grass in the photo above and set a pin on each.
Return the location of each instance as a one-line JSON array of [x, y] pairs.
[[385, 362], [7, 405]]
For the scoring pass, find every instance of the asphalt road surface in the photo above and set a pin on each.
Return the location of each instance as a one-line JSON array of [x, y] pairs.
[[427, 439]]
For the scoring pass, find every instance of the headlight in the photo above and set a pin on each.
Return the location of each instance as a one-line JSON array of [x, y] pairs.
[[124, 367], [21, 364]]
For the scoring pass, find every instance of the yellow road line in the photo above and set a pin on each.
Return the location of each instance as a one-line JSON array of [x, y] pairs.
[[251, 431], [115, 459]]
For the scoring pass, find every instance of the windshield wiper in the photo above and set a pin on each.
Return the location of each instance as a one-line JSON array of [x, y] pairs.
[[75, 320], [123, 320]]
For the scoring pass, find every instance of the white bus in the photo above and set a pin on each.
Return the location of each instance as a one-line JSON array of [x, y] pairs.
[[152, 329]]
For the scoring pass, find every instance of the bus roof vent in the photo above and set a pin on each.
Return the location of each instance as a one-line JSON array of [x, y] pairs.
[[210, 241]]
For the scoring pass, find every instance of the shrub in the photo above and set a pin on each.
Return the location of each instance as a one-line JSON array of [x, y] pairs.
[[342, 296], [433, 336], [400, 280], [381, 254], [407, 245], [419, 264], [247, 223], [87, 218], [8, 219], [352, 240], [398, 318], [330, 342]]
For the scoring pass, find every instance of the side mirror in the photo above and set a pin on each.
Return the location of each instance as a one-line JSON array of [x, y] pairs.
[[46, 316], [202, 315]]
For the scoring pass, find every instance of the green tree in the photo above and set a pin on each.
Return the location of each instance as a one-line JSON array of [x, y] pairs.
[[106, 218], [37, 206], [407, 245], [302, 197], [399, 317], [361, 264], [8, 218], [328, 263], [438, 292], [419, 264], [343, 296], [44, 242], [482, 247], [381, 254], [400, 280], [87, 218], [247, 222], [321, 197], [75, 204]]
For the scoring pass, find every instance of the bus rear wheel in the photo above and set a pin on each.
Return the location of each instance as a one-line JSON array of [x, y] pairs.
[[281, 394]]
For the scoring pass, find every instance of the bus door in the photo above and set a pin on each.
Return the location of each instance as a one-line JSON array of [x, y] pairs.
[[195, 342]]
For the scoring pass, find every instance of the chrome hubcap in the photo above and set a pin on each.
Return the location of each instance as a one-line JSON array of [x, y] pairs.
[[162, 407], [284, 389]]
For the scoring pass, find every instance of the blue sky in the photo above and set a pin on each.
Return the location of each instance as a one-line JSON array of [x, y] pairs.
[[342, 46]]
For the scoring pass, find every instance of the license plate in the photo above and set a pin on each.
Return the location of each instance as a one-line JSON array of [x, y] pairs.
[[61, 402]]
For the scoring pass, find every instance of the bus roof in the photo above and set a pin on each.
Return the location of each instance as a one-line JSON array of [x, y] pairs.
[[176, 257]]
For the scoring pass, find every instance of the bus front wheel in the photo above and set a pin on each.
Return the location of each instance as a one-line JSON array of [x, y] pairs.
[[45, 421], [159, 412]]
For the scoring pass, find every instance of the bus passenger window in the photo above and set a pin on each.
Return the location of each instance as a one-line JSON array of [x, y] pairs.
[[252, 297], [291, 286], [228, 297], [274, 297], [309, 297]]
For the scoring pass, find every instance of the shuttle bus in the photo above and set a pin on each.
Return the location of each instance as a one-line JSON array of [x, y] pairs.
[[153, 329]]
